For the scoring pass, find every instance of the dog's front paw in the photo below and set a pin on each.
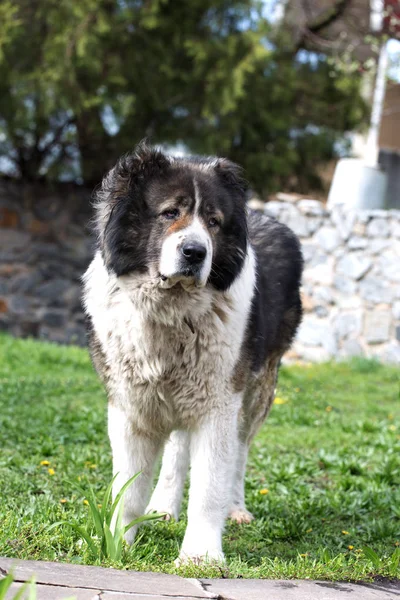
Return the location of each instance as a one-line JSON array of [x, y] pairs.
[[240, 515], [209, 557]]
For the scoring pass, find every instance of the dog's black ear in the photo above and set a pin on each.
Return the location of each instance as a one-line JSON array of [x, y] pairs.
[[231, 174], [121, 209]]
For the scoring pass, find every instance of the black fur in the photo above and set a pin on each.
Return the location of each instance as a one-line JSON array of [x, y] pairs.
[[276, 310]]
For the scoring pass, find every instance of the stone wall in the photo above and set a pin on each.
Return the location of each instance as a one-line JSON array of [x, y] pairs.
[[351, 286], [44, 249], [351, 283]]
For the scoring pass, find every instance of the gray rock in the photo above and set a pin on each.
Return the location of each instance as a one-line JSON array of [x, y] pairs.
[[294, 219], [308, 251], [25, 283], [356, 242], [312, 207], [395, 228], [376, 245], [313, 224], [54, 318], [348, 324], [320, 273], [391, 353], [323, 294], [14, 240], [374, 289], [389, 263], [354, 265], [344, 219], [344, 284], [350, 348], [328, 238], [396, 310], [378, 228], [274, 208], [321, 311], [317, 332], [52, 291], [377, 326]]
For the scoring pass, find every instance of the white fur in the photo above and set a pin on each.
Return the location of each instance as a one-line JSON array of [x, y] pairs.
[[171, 256], [163, 376]]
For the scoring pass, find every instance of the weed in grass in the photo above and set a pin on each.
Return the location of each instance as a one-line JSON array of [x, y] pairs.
[[29, 586], [104, 536]]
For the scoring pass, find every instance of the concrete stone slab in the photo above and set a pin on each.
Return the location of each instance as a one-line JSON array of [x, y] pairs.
[[52, 592], [95, 578], [262, 589]]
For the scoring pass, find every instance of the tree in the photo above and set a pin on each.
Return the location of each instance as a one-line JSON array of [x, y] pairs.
[[81, 83]]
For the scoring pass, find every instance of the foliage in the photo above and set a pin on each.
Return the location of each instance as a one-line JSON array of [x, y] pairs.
[[105, 540], [323, 481], [6, 583], [82, 82]]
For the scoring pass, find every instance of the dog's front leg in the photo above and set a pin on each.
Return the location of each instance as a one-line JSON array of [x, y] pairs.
[[132, 452], [213, 450]]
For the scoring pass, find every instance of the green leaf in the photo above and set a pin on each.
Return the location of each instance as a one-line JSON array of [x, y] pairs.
[[372, 556], [120, 494]]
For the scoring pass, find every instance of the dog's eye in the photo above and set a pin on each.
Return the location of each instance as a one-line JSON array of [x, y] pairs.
[[170, 214], [213, 222]]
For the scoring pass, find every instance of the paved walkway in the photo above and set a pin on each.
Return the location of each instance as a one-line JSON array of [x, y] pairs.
[[58, 581]]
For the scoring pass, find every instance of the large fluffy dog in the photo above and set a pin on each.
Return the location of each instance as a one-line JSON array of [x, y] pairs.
[[191, 302]]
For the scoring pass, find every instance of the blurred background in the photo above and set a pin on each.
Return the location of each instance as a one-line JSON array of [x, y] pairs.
[[285, 88]]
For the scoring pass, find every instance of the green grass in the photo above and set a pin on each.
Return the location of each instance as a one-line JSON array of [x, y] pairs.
[[328, 456]]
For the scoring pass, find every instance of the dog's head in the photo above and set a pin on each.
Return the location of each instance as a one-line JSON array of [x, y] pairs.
[[172, 220]]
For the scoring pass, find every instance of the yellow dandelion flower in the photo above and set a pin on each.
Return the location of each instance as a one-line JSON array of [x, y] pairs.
[[264, 491], [63, 500], [390, 417], [397, 543], [328, 409], [280, 400], [99, 506], [304, 555], [392, 427], [79, 477], [350, 547], [44, 463], [309, 530], [345, 532], [86, 502], [296, 389], [51, 471], [93, 466]]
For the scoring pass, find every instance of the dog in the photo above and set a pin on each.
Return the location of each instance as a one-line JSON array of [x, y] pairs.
[[191, 300]]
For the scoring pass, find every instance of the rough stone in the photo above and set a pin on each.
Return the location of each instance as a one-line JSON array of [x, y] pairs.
[[391, 353], [348, 324], [395, 228], [294, 219], [54, 318], [313, 208], [354, 265], [378, 228], [321, 273], [328, 238], [323, 294], [274, 208], [396, 310], [344, 284], [356, 242], [52, 291], [317, 332], [375, 290], [349, 348], [344, 219], [308, 251], [389, 263], [95, 578], [376, 245], [377, 326]]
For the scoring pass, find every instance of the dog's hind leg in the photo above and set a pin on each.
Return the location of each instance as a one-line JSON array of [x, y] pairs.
[[167, 496], [257, 402]]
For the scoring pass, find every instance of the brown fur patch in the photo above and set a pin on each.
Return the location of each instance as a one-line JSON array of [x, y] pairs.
[[180, 224]]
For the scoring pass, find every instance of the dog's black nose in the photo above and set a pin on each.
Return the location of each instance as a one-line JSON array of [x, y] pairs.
[[194, 252]]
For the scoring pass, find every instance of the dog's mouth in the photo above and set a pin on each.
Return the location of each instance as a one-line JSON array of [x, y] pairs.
[[186, 279]]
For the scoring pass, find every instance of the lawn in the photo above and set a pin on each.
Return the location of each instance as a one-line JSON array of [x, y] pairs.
[[323, 480]]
